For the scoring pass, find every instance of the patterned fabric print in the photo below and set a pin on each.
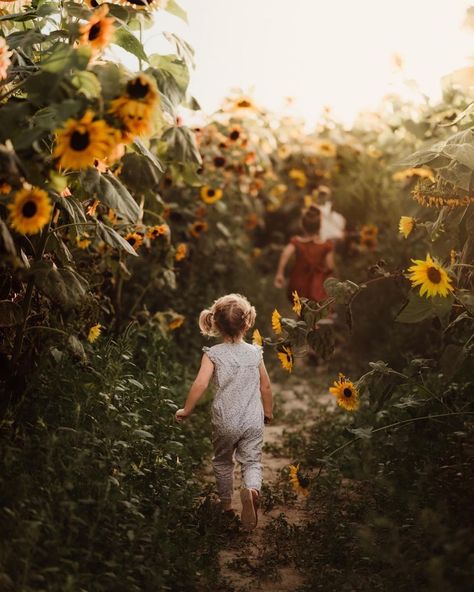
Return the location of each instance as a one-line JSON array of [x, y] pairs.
[[237, 404], [237, 415]]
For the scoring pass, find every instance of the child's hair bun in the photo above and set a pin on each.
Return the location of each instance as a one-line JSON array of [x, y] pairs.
[[206, 322]]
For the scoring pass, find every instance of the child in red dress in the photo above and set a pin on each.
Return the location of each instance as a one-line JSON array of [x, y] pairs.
[[314, 259]]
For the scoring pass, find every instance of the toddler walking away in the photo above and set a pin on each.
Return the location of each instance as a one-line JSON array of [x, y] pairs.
[[242, 404], [314, 259]]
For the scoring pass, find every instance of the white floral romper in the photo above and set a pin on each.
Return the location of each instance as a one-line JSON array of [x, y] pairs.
[[237, 415]]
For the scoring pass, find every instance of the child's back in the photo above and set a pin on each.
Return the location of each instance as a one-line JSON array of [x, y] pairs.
[[237, 403]]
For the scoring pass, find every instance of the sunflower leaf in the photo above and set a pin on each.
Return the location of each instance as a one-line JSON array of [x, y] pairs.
[[62, 285], [175, 9], [127, 41], [182, 145], [114, 239]]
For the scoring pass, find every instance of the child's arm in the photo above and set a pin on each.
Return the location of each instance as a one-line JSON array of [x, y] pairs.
[[330, 261], [266, 392], [198, 388], [284, 258]]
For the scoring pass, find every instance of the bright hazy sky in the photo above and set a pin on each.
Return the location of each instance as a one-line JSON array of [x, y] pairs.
[[320, 52]]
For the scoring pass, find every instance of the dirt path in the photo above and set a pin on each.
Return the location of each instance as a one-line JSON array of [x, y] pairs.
[[298, 404]]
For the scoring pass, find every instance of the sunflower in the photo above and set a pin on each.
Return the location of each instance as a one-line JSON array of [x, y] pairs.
[[428, 199], [176, 322], [235, 133], [286, 357], [257, 338], [296, 303], [99, 29], [326, 148], [210, 195], [181, 251], [134, 239], [346, 393], [92, 208], [299, 177], [219, 161], [135, 108], [284, 151], [406, 225], [83, 241], [30, 210], [276, 324], [299, 482], [421, 172], [432, 278], [244, 103], [156, 231], [94, 333], [5, 188], [93, 3], [83, 141], [5, 61], [368, 236], [197, 228]]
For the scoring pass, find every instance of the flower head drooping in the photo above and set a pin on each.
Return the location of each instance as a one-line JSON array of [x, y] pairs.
[[136, 107], [299, 481], [276, 323], [257, 338], [83, 141], [30, 210], [99, 30], [210, 195], [5, 54], [94, 333], [286, 357], [421, 172], [134, 239], [431, 276], [346, 393], [296, 303], [181, 252], [406, 225]]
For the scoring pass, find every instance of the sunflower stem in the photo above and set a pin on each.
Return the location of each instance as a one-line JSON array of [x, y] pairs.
[[20, 332]]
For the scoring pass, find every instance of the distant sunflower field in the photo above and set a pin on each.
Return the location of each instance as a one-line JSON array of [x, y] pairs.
[[119, 223]]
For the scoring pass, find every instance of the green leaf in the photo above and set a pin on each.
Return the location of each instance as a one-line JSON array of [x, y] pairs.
[[11, 313], [62, 285], [362, 433], [127, 41], [114, 239], [184, 51], [6, 240], [25, 39], [419, 308], [87, 84], [175, 67], [152, 158], [109, 76], [52, 117], [65, 58], [322, 340], [110, 191], [182, 145], [460, 148], [174, 8], [73, 207]]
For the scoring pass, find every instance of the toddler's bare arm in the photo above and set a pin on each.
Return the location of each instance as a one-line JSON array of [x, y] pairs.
[[266, 392], [197, 389]]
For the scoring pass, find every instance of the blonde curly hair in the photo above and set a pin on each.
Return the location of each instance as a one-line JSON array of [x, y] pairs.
[[230, 316]]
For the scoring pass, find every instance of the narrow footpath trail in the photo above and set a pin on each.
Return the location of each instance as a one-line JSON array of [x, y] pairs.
[[298, 403]]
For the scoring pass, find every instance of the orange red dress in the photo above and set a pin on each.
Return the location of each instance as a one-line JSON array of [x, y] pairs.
[[310, 270]]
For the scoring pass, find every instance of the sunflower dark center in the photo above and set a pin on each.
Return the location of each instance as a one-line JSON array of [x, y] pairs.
[[234, 135], [434, 275], [219, 161], [94, 31], [79, 141], [243, 104], [29, 209], [303, 481], [211, 192], [94, 3], [131, 240], [140, 2], [347, 392], [137, 90]]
